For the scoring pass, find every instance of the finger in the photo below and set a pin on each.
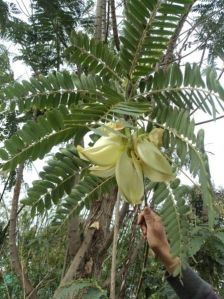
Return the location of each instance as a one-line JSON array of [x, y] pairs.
[[147, 213], [150, 216], [144, 230], [141, 218]]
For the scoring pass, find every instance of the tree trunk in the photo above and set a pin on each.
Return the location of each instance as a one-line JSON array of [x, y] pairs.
[[100, 21], [90, 256], [114, 24], [74, 237], [14, 254], [169, 56], [74, 242]]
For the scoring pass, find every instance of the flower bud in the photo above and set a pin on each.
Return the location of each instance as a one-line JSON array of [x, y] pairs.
[[156, 137]]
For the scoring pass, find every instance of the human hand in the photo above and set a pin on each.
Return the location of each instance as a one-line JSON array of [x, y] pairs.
[[154, 232]]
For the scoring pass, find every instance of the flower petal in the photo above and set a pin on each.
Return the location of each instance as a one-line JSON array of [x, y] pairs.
[[129, 178], [153, 158], [105, 152], [154, 175], [102, 171]]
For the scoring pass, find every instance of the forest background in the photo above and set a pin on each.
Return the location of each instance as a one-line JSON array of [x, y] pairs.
[[67, 215]]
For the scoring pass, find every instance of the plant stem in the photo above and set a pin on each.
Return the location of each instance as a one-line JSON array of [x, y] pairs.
[[209, 120], [114, 251], [146, 252]]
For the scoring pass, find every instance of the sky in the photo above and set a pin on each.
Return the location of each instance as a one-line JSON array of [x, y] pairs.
[[214, 140], [214, 144]]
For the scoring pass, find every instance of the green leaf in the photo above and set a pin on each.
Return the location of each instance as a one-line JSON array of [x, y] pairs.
[[57, 178], [94, 56], [55, 118], [181, 134], [188, 91], [3, 154], [146, 24], [85, 289]]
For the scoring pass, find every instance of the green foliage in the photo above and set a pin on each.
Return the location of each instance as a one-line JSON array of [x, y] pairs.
[[186, 89], [6, 75], [4, 17], [57, 179], [130, 86], [146, 33], [180, 137], [210, 14], [36, 139], [93, 56], [207, 249], [88, 189], [43, 34], [172, 207], [81, 289], [42, 254]]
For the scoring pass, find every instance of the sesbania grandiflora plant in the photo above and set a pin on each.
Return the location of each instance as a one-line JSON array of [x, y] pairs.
[[130, 157], [132, 85]]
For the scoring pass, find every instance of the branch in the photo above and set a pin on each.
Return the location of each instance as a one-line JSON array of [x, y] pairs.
[[209, 120], [4, 188], [109, 239], [107, 23], [168, 57], [5, 230], [14, 254], [114, 25], [74, 236], [146, 252], [131, 256], [37, 286], [72, 271], [74, 242]]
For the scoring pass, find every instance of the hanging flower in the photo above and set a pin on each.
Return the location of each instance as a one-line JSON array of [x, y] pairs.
[[129, 159]]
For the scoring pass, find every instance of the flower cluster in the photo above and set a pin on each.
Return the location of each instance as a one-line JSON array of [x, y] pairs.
[[131, 159]]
